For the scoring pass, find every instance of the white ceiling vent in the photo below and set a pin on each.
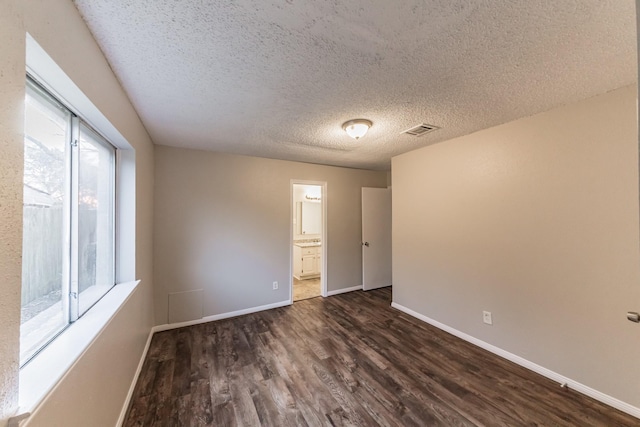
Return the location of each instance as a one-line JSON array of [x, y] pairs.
[[420, 130]]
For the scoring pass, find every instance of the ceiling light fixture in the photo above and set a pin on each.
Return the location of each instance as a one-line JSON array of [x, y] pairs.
[[357, 128]]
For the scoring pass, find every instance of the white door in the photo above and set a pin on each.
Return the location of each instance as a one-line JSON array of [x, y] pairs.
[[376, 238]]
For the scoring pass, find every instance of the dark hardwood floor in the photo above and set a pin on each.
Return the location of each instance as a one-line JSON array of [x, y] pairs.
[[347, 360]]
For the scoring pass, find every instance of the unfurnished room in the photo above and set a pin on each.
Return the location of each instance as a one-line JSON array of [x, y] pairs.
[[319, 213]]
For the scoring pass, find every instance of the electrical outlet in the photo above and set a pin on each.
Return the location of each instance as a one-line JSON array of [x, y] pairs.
[[275, 285], [486, 317]]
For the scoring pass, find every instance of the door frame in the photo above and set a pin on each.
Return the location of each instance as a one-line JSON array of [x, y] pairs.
[[323, 203]]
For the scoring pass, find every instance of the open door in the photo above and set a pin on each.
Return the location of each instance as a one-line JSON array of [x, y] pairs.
[[376, 238]]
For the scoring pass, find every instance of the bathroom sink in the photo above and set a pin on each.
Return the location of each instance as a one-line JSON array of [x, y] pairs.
[[309, 244]]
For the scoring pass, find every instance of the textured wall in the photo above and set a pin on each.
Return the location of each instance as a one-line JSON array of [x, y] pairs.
[[222, 225], [536, 221], [96, 386], [11, 124]]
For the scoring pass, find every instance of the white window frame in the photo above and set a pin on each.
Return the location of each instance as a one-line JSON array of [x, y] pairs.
[[70, 286], [40, 376]]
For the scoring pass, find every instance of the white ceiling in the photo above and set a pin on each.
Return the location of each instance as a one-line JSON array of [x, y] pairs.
[[277, 78]]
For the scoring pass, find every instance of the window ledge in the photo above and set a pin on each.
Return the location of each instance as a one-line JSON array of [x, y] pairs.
[[44, 371]]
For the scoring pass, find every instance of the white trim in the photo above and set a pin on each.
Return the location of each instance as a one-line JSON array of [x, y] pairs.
[[344, 290], [49, 75], [377, 287], [127, 400], [574, 385], [324, 240], [46, 72], [42, 375], [213, 318]]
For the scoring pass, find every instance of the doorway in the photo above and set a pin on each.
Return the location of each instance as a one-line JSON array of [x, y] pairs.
[[308, 240]]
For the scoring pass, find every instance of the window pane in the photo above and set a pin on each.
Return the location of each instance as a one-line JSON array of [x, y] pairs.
[[47, 128], [95, 218]]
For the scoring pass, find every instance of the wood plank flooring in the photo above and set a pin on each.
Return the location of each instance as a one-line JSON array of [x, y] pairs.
[[347, 360]]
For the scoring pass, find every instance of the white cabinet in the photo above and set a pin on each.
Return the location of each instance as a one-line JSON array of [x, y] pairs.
[[307, 261], [308, 264]]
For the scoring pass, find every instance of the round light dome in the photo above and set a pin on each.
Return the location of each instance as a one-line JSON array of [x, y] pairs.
[[357, 128]]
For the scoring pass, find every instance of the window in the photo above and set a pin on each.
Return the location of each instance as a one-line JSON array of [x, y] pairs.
[[68, 219]]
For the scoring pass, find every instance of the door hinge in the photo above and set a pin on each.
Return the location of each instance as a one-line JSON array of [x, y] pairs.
[[74, 143], [73, 295]]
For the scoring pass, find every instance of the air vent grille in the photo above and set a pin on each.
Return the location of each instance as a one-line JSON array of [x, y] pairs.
[[421, 129]]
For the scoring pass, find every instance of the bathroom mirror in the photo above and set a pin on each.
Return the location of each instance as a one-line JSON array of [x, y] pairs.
[[311, 218]]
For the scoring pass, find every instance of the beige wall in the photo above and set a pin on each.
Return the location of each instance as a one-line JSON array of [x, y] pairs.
[[96, 387], [223, 225], [536, 221]]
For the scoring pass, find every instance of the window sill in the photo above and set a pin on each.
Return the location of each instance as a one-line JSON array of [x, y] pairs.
[[44, 371]]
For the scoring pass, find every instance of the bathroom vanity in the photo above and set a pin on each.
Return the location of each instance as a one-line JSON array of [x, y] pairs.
[[307, 260]]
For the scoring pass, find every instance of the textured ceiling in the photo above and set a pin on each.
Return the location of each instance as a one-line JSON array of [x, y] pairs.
[[278, 78]]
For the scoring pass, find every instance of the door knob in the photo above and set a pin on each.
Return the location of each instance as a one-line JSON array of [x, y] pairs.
[[633, 316], [365, 244]]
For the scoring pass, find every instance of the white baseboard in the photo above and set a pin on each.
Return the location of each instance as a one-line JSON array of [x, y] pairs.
[[574, 385], [342, 291], [221, 316], [377, 287], [123, 412]]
